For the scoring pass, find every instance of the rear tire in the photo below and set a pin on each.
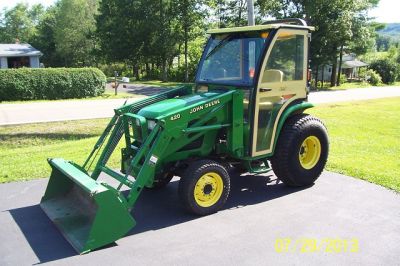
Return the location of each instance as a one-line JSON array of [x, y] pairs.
[[302, 151], [204, 187]]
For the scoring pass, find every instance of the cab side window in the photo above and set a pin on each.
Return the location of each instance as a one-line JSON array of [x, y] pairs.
[[286, 61]]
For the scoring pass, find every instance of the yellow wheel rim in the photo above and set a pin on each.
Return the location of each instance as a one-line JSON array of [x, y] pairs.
[[310, 152], [208, 189]]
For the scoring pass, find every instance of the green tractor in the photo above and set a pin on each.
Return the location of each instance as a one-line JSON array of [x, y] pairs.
[[245, 110]]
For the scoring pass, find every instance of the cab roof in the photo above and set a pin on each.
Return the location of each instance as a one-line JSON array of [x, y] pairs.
[[260, 28]]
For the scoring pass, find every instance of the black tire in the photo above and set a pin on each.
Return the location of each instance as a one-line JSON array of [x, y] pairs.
[[287, 162], [194, 175], [161, 181]]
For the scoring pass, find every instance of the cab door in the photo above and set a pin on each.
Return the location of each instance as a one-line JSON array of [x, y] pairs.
[[282, 80]]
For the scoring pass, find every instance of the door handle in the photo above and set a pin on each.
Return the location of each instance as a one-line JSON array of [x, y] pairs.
[[265, 89]]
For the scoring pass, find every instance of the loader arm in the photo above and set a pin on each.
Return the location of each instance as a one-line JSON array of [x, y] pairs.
[[115, 129]]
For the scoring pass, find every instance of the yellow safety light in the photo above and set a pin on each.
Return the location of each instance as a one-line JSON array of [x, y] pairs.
[[264, 35]]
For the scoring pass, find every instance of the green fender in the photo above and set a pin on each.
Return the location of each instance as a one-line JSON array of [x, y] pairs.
[[286, 114]]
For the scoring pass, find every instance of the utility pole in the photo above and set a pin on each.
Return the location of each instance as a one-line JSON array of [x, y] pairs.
[[250, 12]]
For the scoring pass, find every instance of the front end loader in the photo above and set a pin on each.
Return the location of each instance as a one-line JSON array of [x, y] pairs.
[[245, 110]]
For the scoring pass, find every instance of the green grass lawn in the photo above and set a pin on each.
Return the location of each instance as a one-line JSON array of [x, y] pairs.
[[25, 148], [364, 136], [365, 139]]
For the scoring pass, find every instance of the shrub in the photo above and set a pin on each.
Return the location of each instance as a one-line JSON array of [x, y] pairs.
[[372, 77], [343, 79], [122, 69], [386, 68], [398, 66], [178, 73], [50, 83]]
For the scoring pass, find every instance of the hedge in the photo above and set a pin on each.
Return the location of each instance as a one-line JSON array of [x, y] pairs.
[[386, 68], [50, 83]]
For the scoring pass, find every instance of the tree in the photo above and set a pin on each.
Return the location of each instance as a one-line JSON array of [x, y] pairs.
[[44, 40], [167, 38], [3, 34], [74, 30], [191, 15], [382, 43], [140, 32], [19, 23], [230, 13], [123, 30]]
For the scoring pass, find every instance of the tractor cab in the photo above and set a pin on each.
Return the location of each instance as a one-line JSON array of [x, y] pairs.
[[269, 63]]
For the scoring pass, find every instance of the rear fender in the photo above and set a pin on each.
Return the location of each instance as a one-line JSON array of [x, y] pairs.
[[291, 110]]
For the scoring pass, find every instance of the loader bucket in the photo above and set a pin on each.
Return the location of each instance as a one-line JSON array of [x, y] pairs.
[[89, 214]]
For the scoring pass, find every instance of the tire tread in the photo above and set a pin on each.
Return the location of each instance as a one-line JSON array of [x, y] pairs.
[[292, 128]]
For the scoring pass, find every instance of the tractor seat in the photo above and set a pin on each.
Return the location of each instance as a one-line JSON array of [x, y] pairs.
[[273, 75]]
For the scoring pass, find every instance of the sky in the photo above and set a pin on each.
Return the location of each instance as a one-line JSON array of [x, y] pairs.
[[387, 10], [12, 3]]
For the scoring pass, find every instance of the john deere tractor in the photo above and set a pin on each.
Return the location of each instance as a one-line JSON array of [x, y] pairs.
[[245, 110]]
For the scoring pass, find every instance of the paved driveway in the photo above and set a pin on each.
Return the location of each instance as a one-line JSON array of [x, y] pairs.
[[258, 212], [87, 109], [137, 89]]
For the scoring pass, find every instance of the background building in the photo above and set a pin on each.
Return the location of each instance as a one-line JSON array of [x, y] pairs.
[[19, 55]]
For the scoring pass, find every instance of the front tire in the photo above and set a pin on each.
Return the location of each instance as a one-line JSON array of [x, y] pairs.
[[204, 187], [302, 151]]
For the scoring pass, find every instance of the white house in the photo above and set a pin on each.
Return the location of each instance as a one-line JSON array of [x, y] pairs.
[[350, 68], [19, 55]]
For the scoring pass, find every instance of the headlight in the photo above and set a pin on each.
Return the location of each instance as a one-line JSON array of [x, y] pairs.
[[151, 124]]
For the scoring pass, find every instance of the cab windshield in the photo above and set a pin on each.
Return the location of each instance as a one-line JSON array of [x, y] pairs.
[[232, 59]]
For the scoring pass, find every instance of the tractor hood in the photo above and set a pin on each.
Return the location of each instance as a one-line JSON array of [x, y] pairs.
[[174, 105]]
